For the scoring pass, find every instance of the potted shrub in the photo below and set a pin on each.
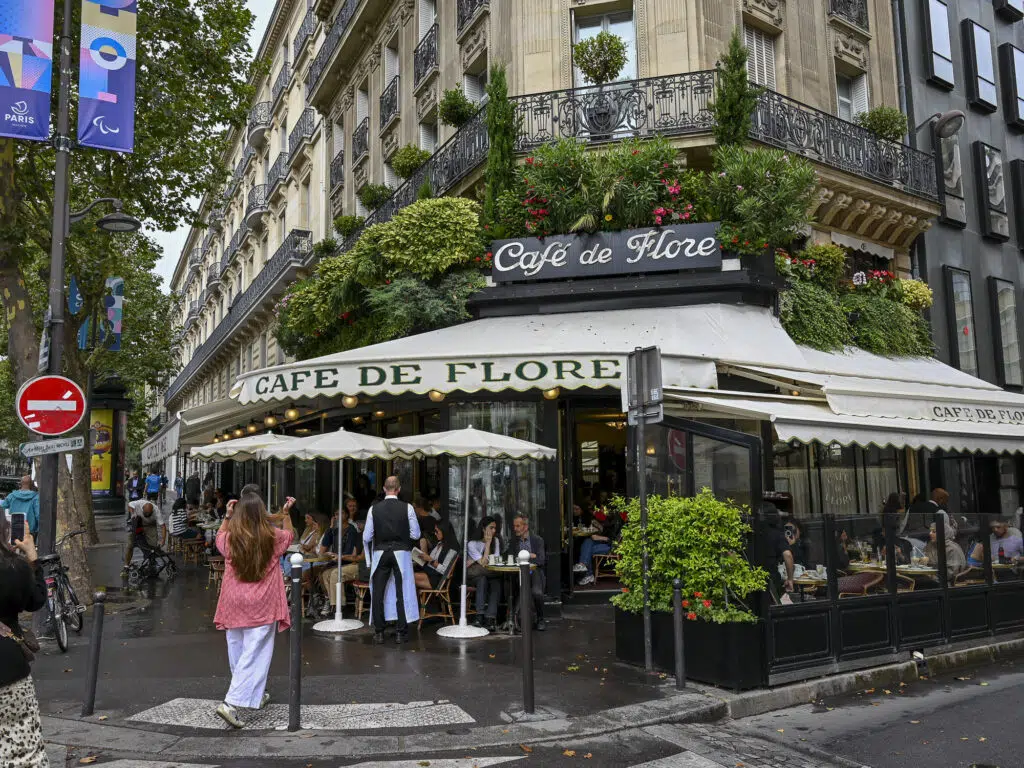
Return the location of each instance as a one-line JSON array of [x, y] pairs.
[[408, 159], [699, 540], [455, 108], [885, 122], [600, 59], [374, 195], [347, 225]]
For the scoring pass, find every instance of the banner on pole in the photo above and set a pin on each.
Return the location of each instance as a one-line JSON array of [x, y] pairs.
[[106, 79], [26, 68]]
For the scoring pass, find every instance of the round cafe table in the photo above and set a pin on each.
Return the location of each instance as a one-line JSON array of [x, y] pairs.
[[511, 577]]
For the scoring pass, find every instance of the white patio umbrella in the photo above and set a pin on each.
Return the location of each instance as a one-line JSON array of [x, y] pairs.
[[467, 443], [242, 449], [333, 446]]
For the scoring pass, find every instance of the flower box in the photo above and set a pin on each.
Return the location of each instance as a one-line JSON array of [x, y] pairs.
[[725, 655]]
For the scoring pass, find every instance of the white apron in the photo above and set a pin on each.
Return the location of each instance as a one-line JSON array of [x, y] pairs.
[[412, 605]]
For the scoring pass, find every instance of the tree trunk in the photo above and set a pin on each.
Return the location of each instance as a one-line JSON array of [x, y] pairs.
[[69, 519]]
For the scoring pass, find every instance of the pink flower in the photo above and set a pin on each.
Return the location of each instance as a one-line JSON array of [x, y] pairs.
[[660, 211], [686, 215], [739, 187], [721, 175], [657, 219]]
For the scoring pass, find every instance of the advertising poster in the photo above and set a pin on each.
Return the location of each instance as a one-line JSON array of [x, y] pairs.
[[106, 75], [26, 68], [101, 461]]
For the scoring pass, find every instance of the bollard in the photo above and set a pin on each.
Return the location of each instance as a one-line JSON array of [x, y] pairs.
[[526, 623], [99, 606], [677, 611], [295, 646]]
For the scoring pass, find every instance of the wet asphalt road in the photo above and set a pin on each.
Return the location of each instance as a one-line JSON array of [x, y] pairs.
[[966, 718]]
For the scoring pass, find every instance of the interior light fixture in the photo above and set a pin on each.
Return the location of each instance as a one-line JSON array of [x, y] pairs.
[[216, 439], [379, 414], [226, 436], [238, 432], [291, 414], [553, 393], [350, 401], [252, 429], [651, 450], [270, 420], [357, 420], [435, 396]]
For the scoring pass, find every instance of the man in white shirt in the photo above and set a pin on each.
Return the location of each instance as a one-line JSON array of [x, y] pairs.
[[146, 521]]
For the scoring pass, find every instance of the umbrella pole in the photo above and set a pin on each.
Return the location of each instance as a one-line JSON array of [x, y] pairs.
[[270, 471], [339, 588], [465, 544]]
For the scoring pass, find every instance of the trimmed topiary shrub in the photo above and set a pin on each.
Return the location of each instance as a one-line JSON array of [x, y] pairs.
[[374, 195], [407, 160], [455, 108]]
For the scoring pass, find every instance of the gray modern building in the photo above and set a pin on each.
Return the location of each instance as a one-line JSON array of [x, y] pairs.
[[968, 55]]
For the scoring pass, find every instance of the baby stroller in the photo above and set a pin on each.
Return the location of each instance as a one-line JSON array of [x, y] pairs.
[[154, 562]]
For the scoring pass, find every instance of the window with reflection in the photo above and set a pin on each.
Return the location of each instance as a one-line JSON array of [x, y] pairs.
[[954, 208], [988, 162], [1010, 10], [961, 316], [836, 467], [979, 66], [1011, 68], [1004, 307], [940, 49]]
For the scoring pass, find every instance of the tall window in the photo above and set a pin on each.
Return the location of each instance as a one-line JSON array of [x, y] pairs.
[[474, 86], [940, 48], [427, 16], [362, 104], [428, 136], [1011, 66], [954, 209], [979, 67], [391, 62], [621, 24], [851, 96], [988, 163], [390, 177], [1004, 306], [961, 316], [1010, 10], [761, 56]]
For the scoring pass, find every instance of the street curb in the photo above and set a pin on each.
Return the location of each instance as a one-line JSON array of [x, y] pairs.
[[939, 659], [675, 709], [812, 751]]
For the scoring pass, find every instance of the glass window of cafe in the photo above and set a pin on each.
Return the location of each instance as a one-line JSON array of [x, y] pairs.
[[816, 479], [500, 488]]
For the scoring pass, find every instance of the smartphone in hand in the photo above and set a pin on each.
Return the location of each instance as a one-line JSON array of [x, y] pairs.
[[17, 528]]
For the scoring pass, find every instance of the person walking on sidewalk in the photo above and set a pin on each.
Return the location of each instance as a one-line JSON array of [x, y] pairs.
[[21, 589], [24, 501], [153, 486], [391, 528], [252, 605], [179, 485], [163, 490], [134, 486]]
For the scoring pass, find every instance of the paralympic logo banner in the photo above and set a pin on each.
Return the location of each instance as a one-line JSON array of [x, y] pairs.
[[26, 68], [106, 79]]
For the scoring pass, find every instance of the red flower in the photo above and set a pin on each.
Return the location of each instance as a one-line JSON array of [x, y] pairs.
[[476, 259], [636, 151], [686, 603], [387, 282], [625, 589], [691, 616], [707, 603], [529, 161], [698, 594]]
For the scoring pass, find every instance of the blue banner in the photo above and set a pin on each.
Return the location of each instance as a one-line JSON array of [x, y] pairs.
[[106, 78], [26, 68]]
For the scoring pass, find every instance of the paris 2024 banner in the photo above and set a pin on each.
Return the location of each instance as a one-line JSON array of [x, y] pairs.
[[26, 68], [106, 79]]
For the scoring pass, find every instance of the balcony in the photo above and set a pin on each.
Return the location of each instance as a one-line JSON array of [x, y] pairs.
[[280, 85], [330, 46], [425, 58], [213, 277], [853, 11], [195, 260], [304, 35], [193, 312], [233, 245], [466, 13], [361, 140], [338, 170], [300, 134], [256, 205], [278, 172], [389, 107], [270, 283], [259, 122]]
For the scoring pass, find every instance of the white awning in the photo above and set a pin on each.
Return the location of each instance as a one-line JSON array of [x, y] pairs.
[[199, 425], [811, 420], [530, 352], [161, 445]]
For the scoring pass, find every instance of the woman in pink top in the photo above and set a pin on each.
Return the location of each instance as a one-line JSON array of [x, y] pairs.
[[252, 602]]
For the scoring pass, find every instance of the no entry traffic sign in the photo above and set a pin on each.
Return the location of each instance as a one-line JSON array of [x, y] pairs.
[[50, 405]]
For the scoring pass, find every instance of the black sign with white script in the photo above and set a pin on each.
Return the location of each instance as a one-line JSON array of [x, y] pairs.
[[654, 249]]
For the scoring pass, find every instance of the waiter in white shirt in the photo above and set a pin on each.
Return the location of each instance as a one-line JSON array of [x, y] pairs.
[[391, 528]]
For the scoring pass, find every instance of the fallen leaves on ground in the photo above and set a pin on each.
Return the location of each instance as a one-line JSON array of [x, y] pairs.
[[526, 748], [88, 759], [915, 722], [962, 679], [573, 668], [982, 684], [887, 692], [569, 752], [101, 718], [782, 730], [587, 756], [869, 690], [423, 763], [490, 655], [982, 738]]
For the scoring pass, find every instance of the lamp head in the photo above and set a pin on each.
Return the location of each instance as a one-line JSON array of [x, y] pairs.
[[948, 124], [119, 221]]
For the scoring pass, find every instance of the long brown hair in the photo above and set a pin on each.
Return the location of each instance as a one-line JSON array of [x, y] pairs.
[[252, 538]]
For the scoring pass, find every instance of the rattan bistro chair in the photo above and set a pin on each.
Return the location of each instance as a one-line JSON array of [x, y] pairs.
[[604, 566], [443, 596]]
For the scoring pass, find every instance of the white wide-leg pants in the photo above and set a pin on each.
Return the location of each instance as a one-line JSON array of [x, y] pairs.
[[250, 651]]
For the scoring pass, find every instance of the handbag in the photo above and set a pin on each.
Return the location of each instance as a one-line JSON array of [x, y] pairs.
[[28, 642]]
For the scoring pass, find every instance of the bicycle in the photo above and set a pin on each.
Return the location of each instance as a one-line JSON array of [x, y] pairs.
[[62, 604]]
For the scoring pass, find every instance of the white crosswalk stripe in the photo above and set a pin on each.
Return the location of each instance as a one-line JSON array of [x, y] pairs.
[[152, 764], [459, 762]]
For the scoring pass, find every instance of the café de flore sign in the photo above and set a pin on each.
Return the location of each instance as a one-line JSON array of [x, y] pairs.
[[600, 254]]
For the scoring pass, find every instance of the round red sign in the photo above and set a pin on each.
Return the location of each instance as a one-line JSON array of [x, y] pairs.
[[50, 405]]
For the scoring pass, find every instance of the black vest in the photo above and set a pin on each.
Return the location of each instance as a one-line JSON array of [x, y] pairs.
[[391, 525]]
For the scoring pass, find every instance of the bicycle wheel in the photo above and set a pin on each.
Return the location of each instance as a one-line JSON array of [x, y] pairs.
[[70, 604], [59, 624], [134, 577]]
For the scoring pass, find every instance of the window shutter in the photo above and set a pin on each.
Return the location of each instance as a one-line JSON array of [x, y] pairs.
[[362, 105], [428, 15], [761, 56], [860, 95], [471, 87], [390, 65], [428, 136], [751, 43], [390, 177]]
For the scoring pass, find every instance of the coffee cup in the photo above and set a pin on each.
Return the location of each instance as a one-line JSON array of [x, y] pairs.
[[511, 560], [494, 560]]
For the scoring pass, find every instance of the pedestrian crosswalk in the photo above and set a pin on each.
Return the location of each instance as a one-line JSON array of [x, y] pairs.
[[201, 713]]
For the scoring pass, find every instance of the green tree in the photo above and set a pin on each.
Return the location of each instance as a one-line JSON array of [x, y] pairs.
[[191, 87], [735, 97], [502, 131]]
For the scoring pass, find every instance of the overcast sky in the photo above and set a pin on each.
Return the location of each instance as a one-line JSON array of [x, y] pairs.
[[172, 242]]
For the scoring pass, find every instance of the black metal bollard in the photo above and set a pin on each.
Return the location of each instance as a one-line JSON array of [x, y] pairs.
[[677, 611], [295, 646], [526, 622], [99, 610]]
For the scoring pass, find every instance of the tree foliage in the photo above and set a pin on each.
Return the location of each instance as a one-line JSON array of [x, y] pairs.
[[735, 96], [502, 131], [600, 58]]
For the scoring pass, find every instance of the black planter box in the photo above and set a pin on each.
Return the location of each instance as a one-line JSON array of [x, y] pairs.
[[726, 655]]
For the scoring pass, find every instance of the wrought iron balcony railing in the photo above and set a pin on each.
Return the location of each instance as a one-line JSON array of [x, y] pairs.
[[811, 133], [389, 106], [854, 11], [234, 244], [247, 154], [216, 216], [338, 170], [259, 116], [425, 57], [213, 276], [361, 140], [291, 254], [301, 133], [466, 10], [671, 105], [330, 45], [256, 203], [278, 171], [280, 84], [305, 32], [195, 258]]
